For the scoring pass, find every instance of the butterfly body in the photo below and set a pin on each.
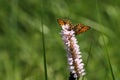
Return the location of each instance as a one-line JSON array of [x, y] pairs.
[[79, 28]]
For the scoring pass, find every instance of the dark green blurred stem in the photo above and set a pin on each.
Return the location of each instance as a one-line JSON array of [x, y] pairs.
[[13, 14], [44, 52], [88, 58], [107, 53], [89, 54], [108, 59], [43, 41]]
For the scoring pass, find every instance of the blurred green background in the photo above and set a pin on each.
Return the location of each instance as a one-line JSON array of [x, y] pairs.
[[21, 47]]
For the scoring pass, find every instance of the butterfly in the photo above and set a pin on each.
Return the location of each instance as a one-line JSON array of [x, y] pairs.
[[79, 28]]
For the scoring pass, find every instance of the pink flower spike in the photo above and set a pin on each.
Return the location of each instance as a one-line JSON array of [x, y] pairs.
[[76, 66]]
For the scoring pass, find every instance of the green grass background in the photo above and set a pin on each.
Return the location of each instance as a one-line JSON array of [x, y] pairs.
[[21, 41]]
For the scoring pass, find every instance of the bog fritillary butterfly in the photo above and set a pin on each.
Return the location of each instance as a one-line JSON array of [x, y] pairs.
[[79, 28]]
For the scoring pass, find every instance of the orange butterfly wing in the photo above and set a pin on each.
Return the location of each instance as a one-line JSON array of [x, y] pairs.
[[62, 22], [80, 28]]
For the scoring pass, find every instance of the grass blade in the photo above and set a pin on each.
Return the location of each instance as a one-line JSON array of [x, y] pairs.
[[43, 45], [44, 52], [105, 46]]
